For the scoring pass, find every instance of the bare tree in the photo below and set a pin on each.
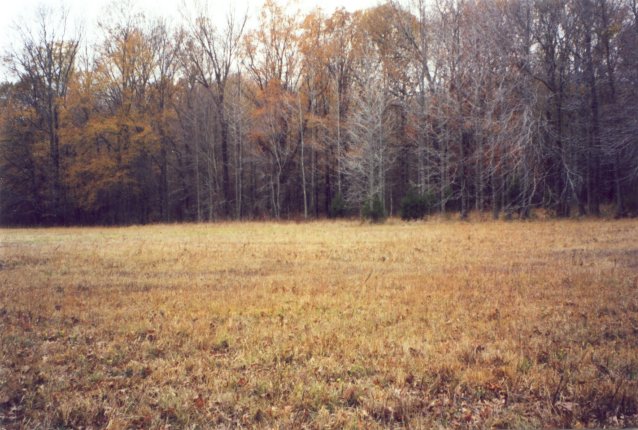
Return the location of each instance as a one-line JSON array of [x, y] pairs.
[[45, 61], [215, 53], [370, 127]]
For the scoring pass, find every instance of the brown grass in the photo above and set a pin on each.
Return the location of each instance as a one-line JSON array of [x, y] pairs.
[[339, 325]]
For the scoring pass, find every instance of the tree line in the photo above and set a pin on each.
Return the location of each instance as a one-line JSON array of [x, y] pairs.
[[501, 106]]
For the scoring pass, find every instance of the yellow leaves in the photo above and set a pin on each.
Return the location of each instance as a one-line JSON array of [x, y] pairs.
[[317, 121], [107, 149], [275, 114], [129, 56], [271, 50], [94, 182], [104, 126], [313, 36], [381, 27], [108, 122], [86, 181]]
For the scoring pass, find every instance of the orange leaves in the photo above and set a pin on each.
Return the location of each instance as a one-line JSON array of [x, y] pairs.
[[379, 26], [273, 114], [110, 121], [272, 50]]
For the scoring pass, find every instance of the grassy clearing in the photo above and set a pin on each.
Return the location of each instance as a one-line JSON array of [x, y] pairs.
[[338, 325]]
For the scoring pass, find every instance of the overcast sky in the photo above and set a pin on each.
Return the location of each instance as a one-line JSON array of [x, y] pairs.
[[88, 12], [18, 12]]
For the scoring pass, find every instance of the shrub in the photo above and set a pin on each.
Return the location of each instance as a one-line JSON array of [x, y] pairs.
[[338, 207], [631, 200], [373, 210], [415, 205]]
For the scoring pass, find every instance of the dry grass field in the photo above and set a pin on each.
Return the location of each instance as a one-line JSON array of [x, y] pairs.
[[438, 324]]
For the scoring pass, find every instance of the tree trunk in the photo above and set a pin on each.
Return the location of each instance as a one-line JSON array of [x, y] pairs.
[[226, 188], [54, 149], [593, 161], [463, 176], [303, 169]]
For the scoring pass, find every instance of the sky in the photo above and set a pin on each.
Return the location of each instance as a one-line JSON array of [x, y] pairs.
[[17, 13]]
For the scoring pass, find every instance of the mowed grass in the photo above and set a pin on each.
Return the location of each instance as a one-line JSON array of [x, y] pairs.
[[438, 324]]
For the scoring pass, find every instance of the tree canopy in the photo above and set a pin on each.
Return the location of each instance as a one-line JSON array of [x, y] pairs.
[[501, 106]]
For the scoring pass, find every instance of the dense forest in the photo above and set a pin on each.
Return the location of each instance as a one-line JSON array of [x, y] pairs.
[[491, 105]]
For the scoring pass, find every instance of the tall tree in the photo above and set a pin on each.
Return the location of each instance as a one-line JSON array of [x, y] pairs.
[[216, 53], [272, 60], [44, 62]]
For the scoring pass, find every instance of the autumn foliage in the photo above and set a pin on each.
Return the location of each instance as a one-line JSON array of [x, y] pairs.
[[506, 106]]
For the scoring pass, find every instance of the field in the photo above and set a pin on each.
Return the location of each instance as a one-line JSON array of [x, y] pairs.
[[438, 324]]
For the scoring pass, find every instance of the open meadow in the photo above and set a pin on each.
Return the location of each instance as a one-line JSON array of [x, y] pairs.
[[438, 324]]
